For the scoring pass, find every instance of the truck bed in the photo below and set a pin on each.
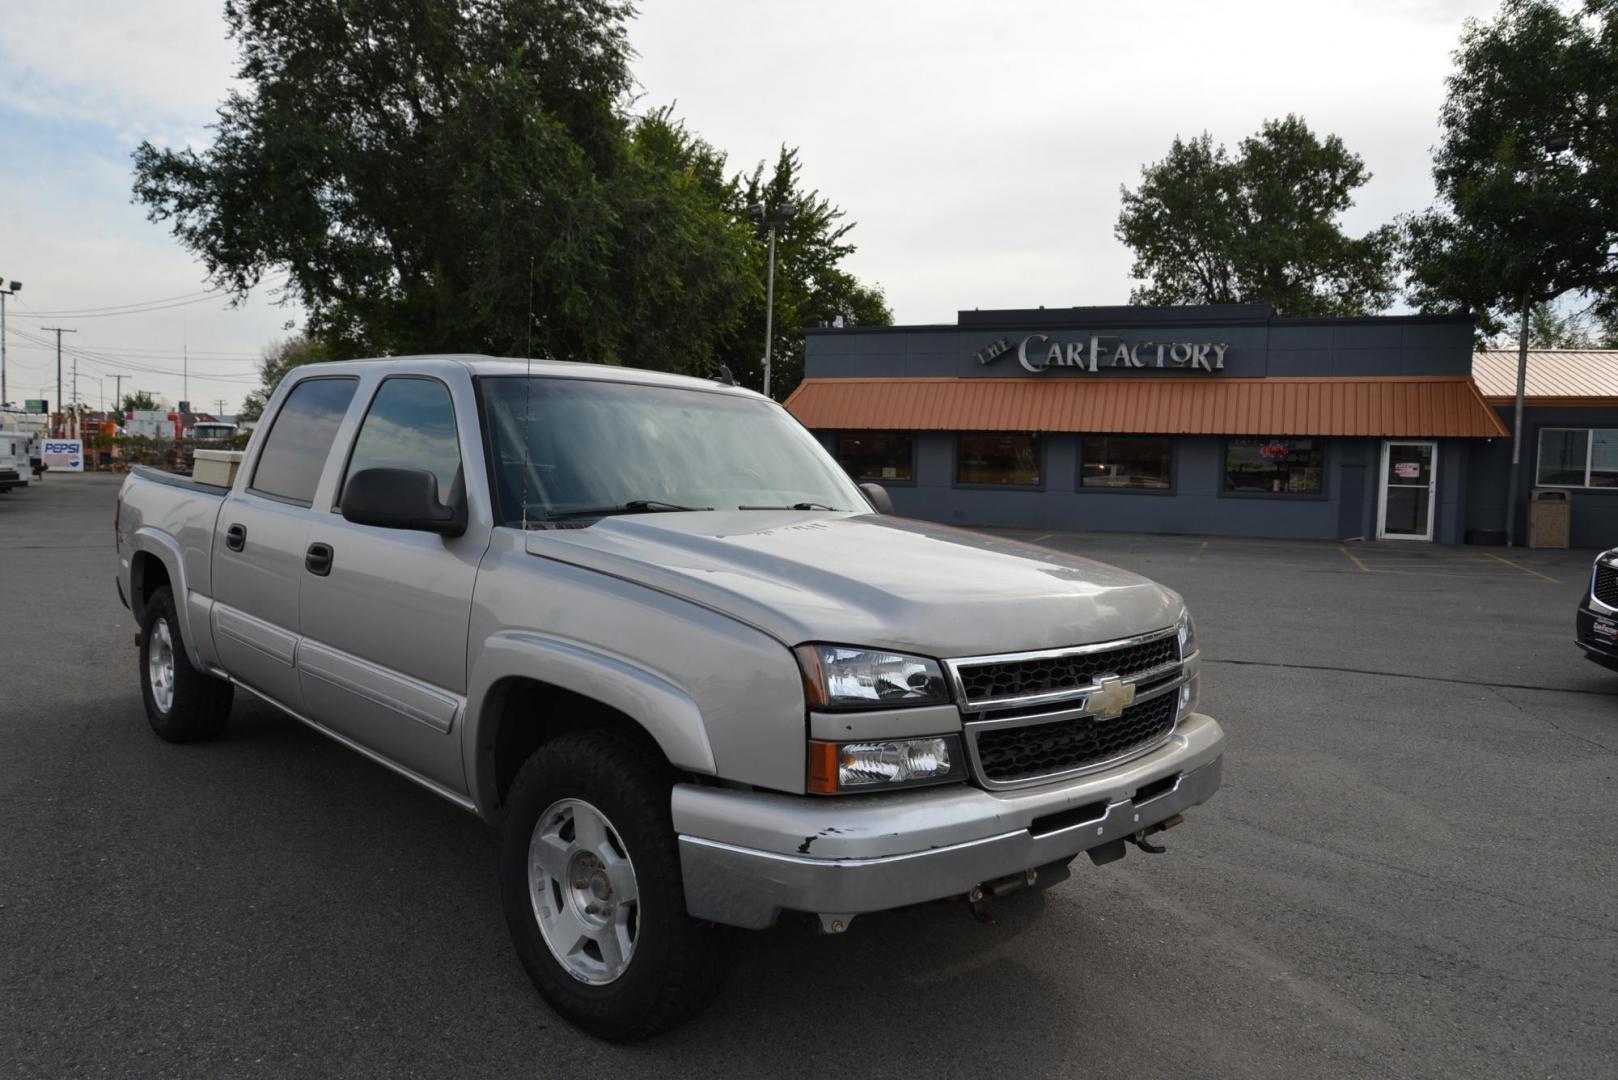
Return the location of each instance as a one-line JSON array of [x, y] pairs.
[[158, 476]]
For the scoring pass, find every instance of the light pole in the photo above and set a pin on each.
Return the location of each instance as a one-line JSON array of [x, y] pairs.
[[768, 218], [1554, 145], [4, 292]]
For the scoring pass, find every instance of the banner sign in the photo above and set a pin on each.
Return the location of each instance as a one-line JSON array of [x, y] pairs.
[[66, 455]]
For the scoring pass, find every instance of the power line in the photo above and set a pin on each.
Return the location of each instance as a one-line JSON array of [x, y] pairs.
[[199, 294], [161, 303], [59, 332]]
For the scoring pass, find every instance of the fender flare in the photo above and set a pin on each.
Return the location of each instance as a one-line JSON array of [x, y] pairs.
[[665, 711], [166, 550]]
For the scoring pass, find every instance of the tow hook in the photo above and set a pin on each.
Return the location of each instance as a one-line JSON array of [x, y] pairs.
[[998, 887], [1140, 841]]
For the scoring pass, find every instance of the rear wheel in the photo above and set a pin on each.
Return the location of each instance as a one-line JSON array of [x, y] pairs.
[[590, 880], [182, 703]]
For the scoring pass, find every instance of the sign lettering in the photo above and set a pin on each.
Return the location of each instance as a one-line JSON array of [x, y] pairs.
[[1040, 353]]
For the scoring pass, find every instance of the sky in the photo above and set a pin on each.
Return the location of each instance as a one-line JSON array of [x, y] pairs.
[[979, 147]]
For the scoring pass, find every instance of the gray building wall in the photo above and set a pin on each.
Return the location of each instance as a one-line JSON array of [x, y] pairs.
[[1595, 513], [1259, 346], [1196, 505]]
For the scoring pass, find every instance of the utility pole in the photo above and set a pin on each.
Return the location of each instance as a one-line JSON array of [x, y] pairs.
[[1555, 145], [763, 216], [59, 330], [4, 292], [118, 393], [221, 403]]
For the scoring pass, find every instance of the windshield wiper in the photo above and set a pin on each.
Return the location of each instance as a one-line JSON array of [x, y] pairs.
[[633, 506], [794, 506]]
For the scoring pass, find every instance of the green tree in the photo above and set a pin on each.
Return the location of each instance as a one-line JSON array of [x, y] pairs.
[[274, 362], [811, 286], [1527, 168], [139, 400], [421, 172], [1261, 226], [1550, 329]]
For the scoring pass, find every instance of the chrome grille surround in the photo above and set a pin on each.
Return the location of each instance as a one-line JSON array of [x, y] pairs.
[[1067, 706], [1604, 584]]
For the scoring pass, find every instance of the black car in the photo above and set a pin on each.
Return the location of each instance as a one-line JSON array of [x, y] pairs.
[[1598, 613]]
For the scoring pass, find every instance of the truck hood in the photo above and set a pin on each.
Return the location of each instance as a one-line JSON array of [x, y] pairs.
[[867, 579]]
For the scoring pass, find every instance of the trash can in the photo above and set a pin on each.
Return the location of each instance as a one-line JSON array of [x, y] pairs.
[[1550, 517]]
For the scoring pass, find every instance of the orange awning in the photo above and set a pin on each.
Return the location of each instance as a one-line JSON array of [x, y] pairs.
[[1428, 406]]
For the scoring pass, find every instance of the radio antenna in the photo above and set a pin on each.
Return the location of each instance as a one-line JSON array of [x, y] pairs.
[[527, 393]]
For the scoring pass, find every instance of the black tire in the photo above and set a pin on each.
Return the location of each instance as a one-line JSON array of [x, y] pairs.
[[200, 703], [678, 964]]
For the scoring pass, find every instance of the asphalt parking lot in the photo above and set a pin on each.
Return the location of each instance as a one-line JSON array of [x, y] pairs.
[[1409, 872]]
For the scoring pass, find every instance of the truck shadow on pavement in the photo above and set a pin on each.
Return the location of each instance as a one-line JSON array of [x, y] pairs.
[[936, 981]]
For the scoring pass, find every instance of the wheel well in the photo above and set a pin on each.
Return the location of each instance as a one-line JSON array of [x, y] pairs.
[[147, 574], [528, 713]]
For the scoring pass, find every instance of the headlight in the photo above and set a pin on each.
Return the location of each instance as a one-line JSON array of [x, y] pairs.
[[872, 764], [840, 677], [1186, 631]]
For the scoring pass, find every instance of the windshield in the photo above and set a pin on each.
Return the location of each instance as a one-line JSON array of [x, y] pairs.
[[590, 445]]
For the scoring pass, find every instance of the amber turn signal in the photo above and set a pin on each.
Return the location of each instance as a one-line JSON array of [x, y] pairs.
[[822, 767]]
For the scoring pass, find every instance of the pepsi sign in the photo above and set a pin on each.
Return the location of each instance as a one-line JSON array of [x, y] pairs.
[[64, 454]]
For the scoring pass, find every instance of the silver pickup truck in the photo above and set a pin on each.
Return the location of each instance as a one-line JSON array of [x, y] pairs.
[[647, 627]]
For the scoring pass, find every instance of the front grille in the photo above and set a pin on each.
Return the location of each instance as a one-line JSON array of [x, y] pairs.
[[1009, 754], [1605, 588], [1022, 678]]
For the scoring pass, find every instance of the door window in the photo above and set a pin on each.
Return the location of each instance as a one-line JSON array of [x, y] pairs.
[[301, 437], [1407, 496], [410, 425]]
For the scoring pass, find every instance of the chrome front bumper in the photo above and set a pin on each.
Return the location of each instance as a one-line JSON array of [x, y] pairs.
[[747, 856]]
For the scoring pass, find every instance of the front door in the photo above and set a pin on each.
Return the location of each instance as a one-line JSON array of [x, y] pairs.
[[384, 614], [1409, 490]]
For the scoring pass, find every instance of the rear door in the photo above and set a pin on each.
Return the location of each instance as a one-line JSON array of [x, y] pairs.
[[384, 625], [261, 536]]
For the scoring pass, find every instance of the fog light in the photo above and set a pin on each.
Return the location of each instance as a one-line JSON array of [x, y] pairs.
[[1188, 694], [887, 762]]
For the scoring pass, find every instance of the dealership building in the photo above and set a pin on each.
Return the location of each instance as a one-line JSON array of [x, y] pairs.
[[1218, 420]]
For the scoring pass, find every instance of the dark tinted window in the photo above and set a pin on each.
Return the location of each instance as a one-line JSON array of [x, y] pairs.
[[1275, 465], [997, 459], [296, 448], [876, 455], [1127, 461], [410, 425]]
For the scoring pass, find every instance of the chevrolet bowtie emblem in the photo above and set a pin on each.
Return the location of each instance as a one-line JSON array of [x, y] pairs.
[[1110, 697]]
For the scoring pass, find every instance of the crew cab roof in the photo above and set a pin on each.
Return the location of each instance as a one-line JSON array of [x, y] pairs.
[[480, 365]]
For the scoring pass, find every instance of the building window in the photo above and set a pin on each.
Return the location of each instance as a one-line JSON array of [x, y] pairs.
[[1138, 462], [1577, 457], [1275, 466], [997, 459], [877, 455]]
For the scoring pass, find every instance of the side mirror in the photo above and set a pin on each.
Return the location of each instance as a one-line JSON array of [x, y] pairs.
[[401, 499], [879, 497]]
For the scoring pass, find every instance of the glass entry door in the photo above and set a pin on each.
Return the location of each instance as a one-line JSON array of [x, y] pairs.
[[1409, 488]]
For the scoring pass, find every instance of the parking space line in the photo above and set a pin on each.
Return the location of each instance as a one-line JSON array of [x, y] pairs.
[[1200, 549], [1037, 539], [1355, 559], [1521, 567]]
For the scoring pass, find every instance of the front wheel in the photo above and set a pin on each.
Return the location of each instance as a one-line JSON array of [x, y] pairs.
[[590, 881]]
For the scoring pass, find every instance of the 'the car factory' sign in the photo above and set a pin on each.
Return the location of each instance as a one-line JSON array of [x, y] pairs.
[[1040, 353]]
